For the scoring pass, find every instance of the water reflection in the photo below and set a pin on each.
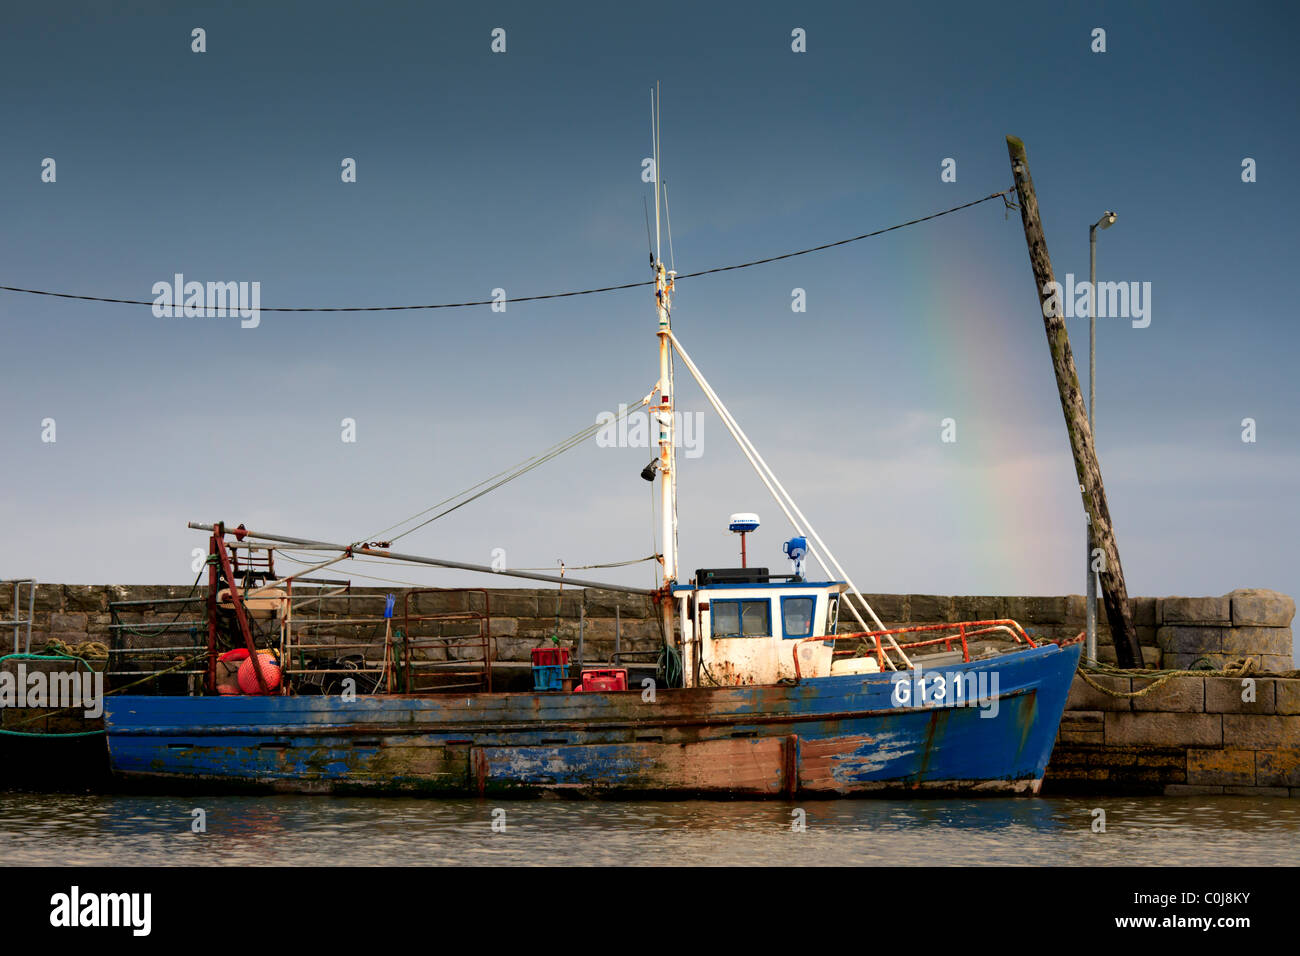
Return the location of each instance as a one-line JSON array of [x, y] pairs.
[[55, 829]]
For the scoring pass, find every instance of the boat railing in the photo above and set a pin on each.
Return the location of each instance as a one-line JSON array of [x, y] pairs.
[[157, 645], [399, 650], [311, 652], [963, 631], [461, 652]]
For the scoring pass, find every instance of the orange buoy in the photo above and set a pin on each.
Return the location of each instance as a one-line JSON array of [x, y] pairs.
[[270, 673]]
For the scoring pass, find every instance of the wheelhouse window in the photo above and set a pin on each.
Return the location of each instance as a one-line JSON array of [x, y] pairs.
[[741, 618], [797, 615]]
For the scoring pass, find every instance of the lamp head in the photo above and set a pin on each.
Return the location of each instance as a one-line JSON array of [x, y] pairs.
[[1107, 220]]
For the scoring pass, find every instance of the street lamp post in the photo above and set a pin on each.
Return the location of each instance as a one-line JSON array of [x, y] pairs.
[[1105, 222]]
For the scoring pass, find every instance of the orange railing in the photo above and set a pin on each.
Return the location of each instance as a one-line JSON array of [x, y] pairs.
[[1005, 625]]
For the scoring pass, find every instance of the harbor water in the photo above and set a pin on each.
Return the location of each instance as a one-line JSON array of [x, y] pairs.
[[109, 830]]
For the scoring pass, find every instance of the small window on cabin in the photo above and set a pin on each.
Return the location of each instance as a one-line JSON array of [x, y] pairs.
[[741, 619], [797, 613]]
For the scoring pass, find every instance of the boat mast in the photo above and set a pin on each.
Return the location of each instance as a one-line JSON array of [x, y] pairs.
[[664, 410]]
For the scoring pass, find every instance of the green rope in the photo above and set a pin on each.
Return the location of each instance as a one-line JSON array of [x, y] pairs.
[[669, 667]]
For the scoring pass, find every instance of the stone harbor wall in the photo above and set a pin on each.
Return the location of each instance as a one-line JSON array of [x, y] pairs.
[[1174, 632], [1179, 735]]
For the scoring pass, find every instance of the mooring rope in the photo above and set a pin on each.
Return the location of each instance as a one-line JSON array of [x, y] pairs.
[[1160, 676]]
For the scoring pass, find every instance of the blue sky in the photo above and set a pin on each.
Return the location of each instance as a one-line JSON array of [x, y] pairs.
[[522, 171]]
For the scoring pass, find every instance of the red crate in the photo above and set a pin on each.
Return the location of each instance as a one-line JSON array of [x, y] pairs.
[[604, 678], [550, 656]]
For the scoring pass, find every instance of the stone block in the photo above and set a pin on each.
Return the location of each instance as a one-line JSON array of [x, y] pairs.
[[503, 626], [1173, 758], [1082, 727], [1221, 767], [1038, 611], [1198, 610], [1276, 664], [605, 603], [1261, 731], [76, 622], [84, 597], [1191, 790], [461, 629], [49, 597], [439, 602], [929, 608], [1051, 610], [1144, 612], [1084, 697], [1277, 768], [1190, 640], [1257, 640], [1164, 730], [1080, 736], [1182, 694], [1182, 662], [1223, 695], [1141, 779], [1083, 719], [514, 648], [569, 601], [891, 608], [1261, 607], [1287, 695], [1151, 656], [514, 603]]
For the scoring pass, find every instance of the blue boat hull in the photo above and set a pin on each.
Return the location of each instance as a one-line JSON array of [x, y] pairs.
[[841, 735]]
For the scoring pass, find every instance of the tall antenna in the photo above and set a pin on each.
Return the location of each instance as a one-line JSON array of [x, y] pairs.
[[654, 148]]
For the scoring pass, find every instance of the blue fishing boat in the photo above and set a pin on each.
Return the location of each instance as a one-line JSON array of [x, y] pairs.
[[766, 685]]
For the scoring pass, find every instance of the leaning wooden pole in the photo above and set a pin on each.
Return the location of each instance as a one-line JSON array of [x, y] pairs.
[[1111, 574]]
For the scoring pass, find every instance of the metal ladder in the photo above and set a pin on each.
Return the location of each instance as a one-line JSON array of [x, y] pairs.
[[18, 622]]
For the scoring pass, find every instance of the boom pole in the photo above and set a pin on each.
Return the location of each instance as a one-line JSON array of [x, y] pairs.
[[362, 550]]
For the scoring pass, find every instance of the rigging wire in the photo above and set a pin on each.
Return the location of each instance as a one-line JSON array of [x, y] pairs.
[[510, 474], [552, 295], [668, 220]]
